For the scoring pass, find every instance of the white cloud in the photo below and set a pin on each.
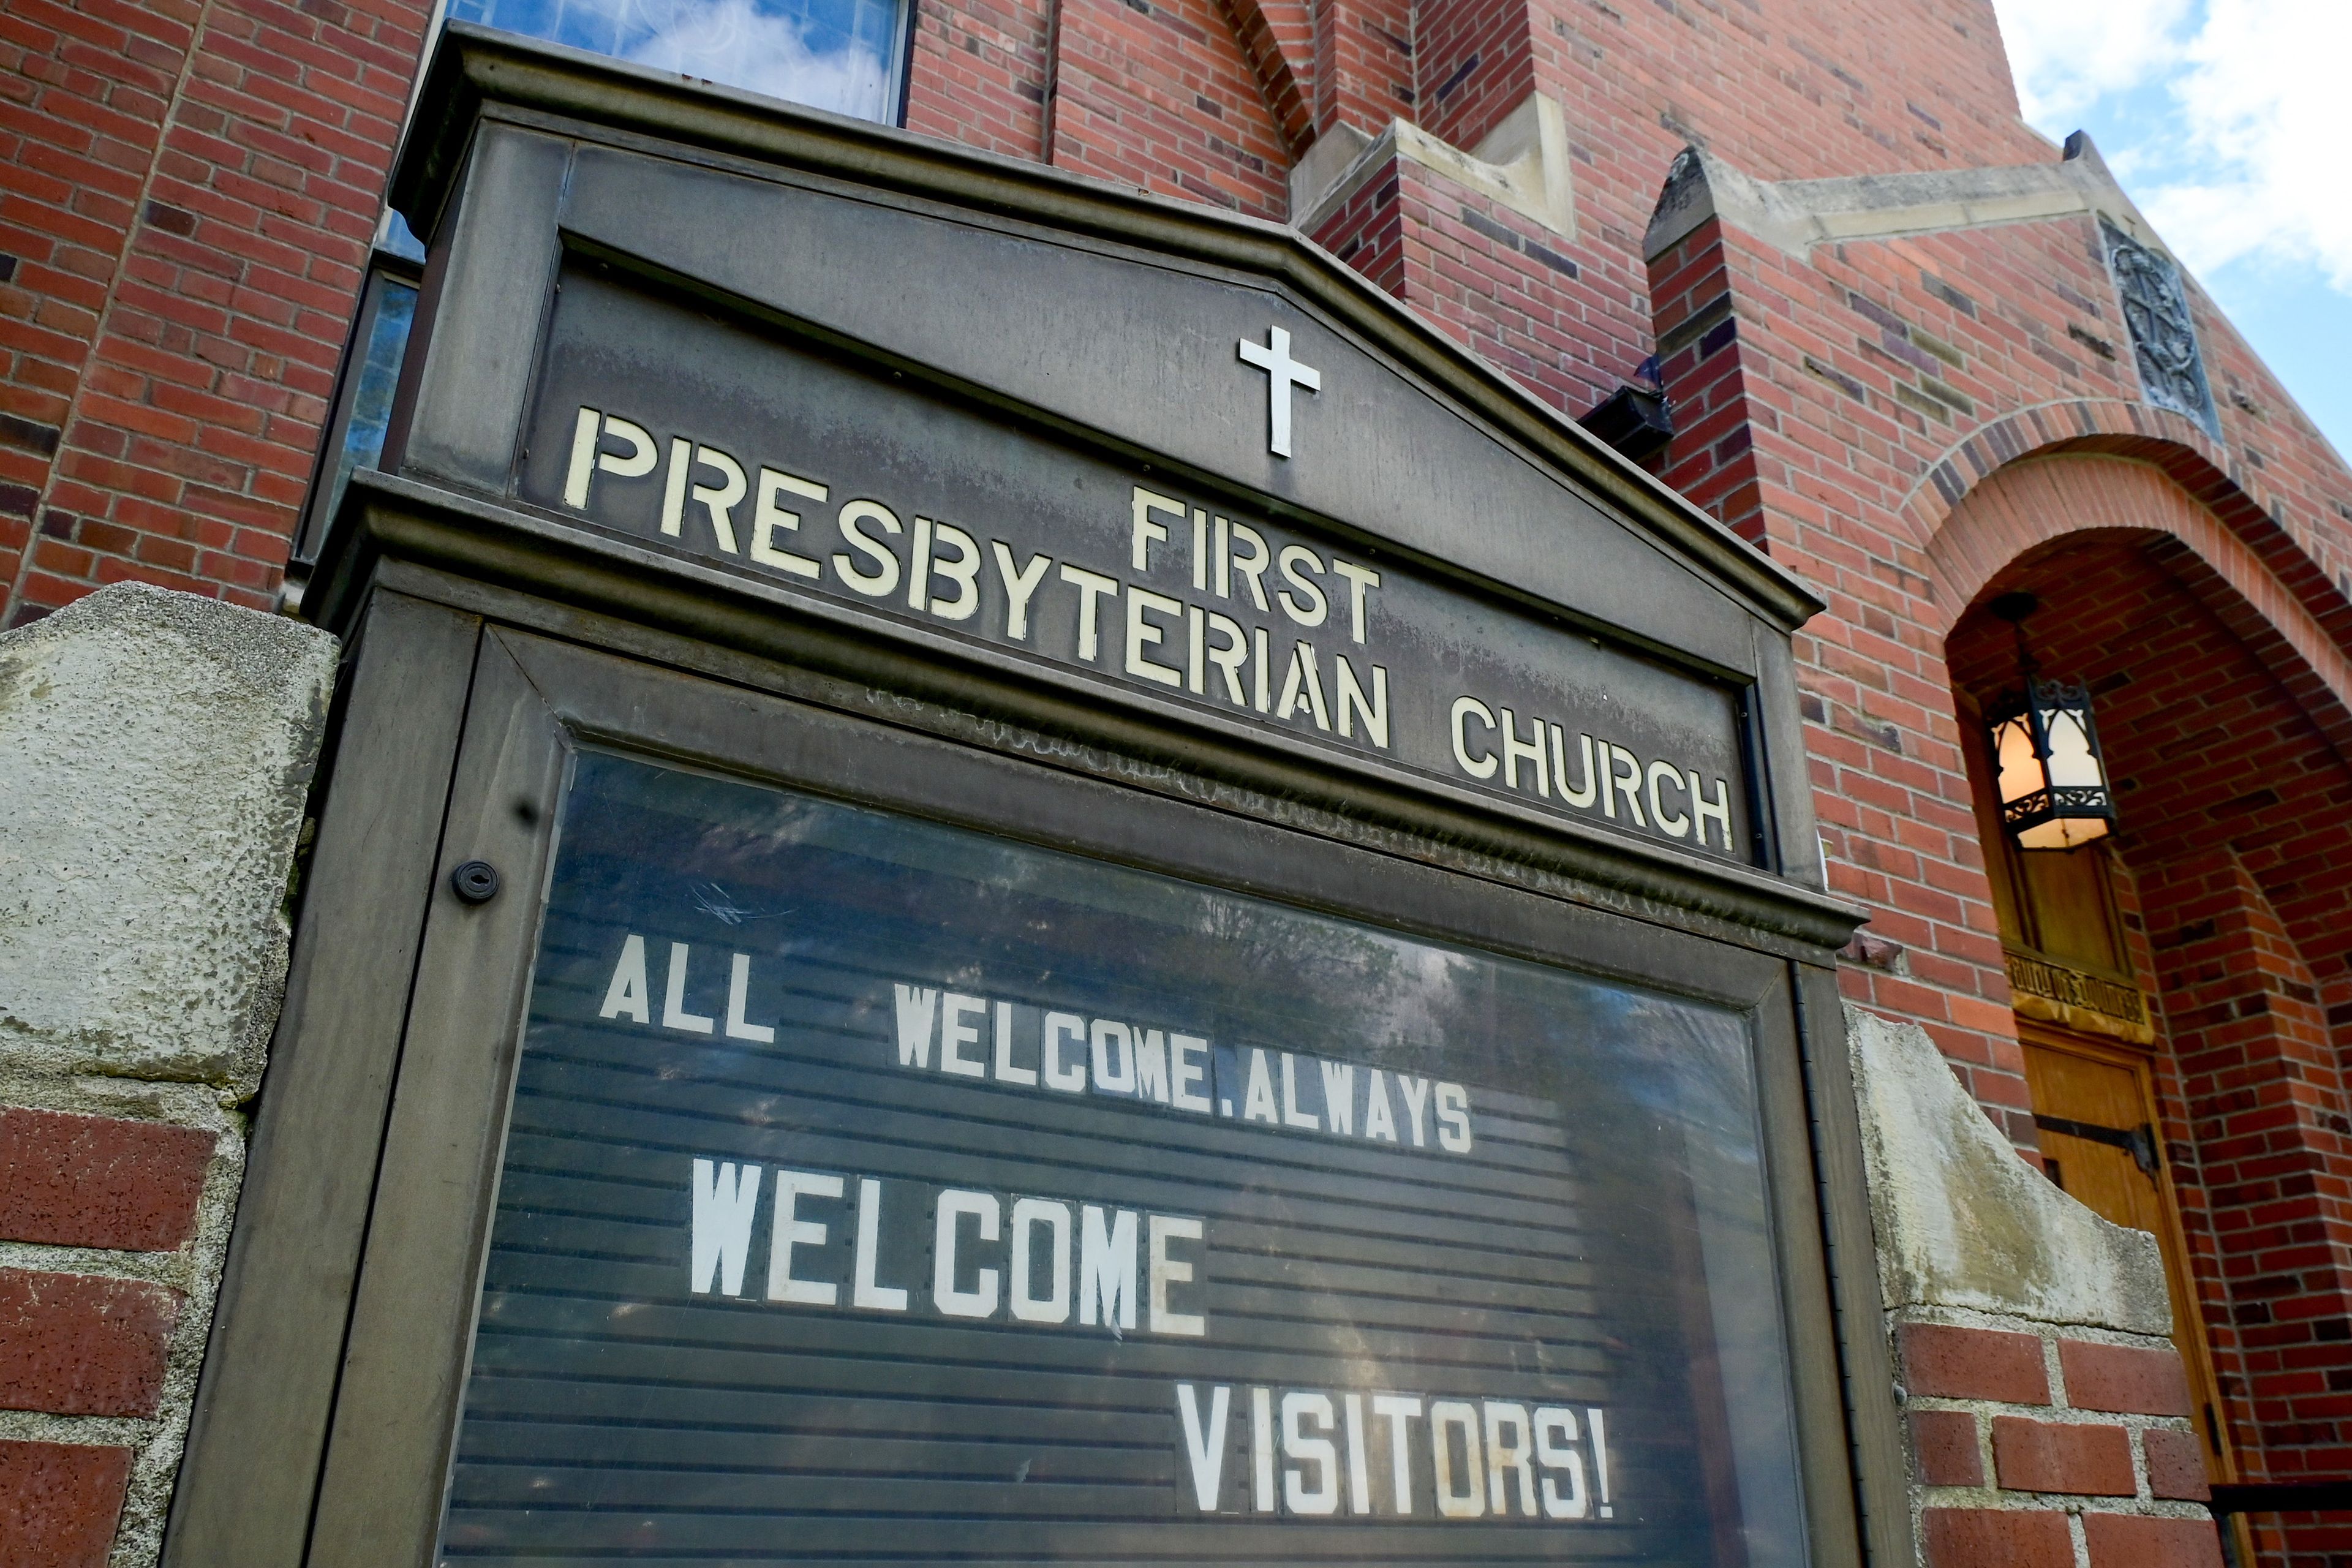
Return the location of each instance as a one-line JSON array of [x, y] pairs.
[[2066, 56], [2248, 165], [742, 44], [799, 50], [2267, 120]]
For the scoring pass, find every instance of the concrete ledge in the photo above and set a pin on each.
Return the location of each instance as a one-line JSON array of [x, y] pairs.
[[1963, 1222], [1796, 215], [1523, 165], [155, 752]]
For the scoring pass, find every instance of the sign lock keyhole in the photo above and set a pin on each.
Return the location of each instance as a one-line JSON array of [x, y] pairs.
[[476, 881]]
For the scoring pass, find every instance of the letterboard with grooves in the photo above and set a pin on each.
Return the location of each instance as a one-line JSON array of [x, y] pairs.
[[882, 1190]]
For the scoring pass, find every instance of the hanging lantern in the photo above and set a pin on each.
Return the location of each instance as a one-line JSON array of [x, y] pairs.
[[2051, 781]]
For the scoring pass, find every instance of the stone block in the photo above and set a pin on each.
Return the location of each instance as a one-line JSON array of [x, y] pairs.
[[2175, 1463], [1946, 1444], [1952, 1362], [58, 1502], [1994, 1538], [83, 1344], [1962, 1221], [2131, 1541], [2078, 1458], [98, 1181], [2124, 1378], [155, 752]]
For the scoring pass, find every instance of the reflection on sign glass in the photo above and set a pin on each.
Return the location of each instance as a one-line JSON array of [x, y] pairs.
[[881, 1189], [840, 55]]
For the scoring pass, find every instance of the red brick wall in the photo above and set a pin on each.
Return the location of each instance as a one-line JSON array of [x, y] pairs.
[[59, 1501], [1784, 89], [1916, 424], [1363, 63], [978, 73], [113, 1206], [1474, 62], [190, 191], [1844, 402], [1158, 93], [2019, 1431], [1521, 296]]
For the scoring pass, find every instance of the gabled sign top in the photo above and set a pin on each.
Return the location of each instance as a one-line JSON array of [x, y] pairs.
[[862, 380]]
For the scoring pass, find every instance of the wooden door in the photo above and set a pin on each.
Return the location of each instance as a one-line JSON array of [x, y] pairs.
[[2095, 1108]]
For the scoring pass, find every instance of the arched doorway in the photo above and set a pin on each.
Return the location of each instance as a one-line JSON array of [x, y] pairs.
[[2176, 983]]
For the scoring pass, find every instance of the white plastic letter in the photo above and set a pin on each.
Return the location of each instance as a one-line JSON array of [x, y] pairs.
[[1398, 1409], [1676, 824], [883, 580], [725, 1197], [1107, 1269], [1147, 532], [1453, 1118], [1510, 1451], [980, 1301], [1555, 1452], [791, 1231], [917, 1005], [1205, 1446], [863, 1292], [955, 1034], [1167, 1271], [1019, 586], [1303, 1449], [1468, 1501], [1059, 1028], [674, 1013], [629, 995], [738, 988], [1028, 1213], [1478, 767], [767, 516]]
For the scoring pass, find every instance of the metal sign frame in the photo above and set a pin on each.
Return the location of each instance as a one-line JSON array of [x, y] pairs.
[[486, 636]]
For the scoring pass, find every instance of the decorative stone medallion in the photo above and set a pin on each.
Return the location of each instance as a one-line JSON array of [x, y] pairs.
[[2163, 338]]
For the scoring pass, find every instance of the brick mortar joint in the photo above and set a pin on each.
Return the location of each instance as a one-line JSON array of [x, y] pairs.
[[2005, 1323], [2051, 1414], [2042, 1328], [75, 1431], [173, 1269], [1998, 1500], [174, 1102]]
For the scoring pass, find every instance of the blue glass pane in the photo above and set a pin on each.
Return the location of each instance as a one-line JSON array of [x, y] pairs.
[[400, 239], [839, 55], [375, 377]]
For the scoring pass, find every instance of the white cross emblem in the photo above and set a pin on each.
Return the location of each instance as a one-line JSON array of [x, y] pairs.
[[1282, 372]]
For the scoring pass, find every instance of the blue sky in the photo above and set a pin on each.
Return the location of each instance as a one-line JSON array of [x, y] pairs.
[[2227, 120]]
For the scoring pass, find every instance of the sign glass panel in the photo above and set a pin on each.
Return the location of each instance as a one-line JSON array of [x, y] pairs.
[[876, 1188]]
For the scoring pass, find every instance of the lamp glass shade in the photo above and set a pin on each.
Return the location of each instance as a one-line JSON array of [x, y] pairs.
[[2051, 778]]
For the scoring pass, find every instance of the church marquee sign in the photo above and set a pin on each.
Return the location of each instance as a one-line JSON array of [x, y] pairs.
[[1010, 877]]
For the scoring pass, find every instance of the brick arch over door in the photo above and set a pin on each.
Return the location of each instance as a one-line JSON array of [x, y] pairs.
[[2034, 503], [2226, 703], [2298, 560]]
